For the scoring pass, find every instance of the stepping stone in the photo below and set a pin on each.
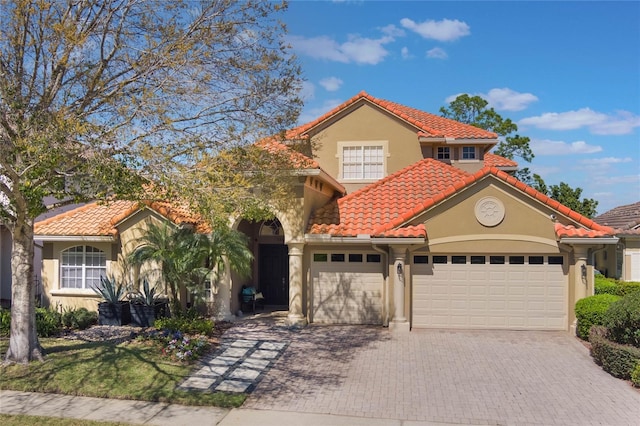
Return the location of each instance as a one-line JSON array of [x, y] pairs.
[[212, 371], [233, 386], [235, 352], [244, 374], [200, 383], [242, 343], [255, 363], [265, 354], [272, 346], [223, 360]]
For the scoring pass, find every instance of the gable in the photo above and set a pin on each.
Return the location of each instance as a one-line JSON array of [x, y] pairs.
[[491, 217]]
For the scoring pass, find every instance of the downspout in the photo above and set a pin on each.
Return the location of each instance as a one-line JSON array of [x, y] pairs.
[[385, 320]]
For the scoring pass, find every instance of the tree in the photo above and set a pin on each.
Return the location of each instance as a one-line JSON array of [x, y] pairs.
[[567, 196], [99, 96], [473, 110]]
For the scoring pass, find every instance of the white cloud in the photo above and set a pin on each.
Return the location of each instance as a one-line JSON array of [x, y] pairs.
[[393, 31], [360, 50], [607, 161], [405, 53], [505, 99], [313, 113], [331, 84], [437, 53], [445, 30], [549, 147], [623, 122]]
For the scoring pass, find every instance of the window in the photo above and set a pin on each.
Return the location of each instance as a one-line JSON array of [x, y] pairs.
[[420, 259], [468, 152], [496, 260], [444, 153], [536, 260], [373, 258], [556, 260], [478, 260], [362, 162], [337, 257], [516, 260], [82, 267], [355, 257], [458, 260], [320, 257], [439, 259]]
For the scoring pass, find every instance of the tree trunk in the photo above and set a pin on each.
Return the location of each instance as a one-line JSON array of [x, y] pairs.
[[23, 341]]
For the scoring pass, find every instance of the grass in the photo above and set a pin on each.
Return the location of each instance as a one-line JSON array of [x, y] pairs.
[[24, 420], [132, 370]]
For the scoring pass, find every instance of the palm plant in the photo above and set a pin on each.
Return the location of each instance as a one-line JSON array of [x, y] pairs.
[[110, 290], [178, 252]]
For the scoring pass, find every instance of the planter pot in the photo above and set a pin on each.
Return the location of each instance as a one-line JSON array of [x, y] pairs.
[[114, 313], [142, 315]]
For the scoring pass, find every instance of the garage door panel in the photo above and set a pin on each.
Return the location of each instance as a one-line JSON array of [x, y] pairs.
[[491, 296]]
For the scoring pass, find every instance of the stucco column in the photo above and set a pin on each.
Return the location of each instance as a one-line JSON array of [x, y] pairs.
[[580, 279], [399, 321], [295, 316], [222, 295]]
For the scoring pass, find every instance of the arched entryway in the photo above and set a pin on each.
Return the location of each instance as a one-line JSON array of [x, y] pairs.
[[270, 274]]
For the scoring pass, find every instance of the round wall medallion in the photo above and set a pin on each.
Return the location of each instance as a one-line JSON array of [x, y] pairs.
[[489, 211]]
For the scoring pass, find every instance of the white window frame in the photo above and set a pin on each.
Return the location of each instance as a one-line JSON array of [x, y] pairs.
[[361, 163], [443, 153], [465, 155], [82, 268]]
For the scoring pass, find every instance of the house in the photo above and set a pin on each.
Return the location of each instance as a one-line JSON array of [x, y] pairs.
[[621, 261], [401, 218]]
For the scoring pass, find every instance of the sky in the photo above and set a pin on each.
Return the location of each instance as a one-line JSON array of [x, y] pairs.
[[567, 73]]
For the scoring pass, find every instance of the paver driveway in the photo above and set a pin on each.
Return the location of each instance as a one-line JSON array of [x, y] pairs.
[[477, 377]]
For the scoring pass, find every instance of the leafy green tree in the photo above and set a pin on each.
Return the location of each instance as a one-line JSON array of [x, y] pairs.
[[567, 196], [473, 110], [97, 97]]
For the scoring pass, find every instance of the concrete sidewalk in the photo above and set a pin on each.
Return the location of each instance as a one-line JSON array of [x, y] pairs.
[[161, 414]]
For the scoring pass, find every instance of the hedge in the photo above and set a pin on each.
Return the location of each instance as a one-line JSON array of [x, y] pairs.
[[616, 359], [590, 311], [635, 376], [622, 319], [603, 285]]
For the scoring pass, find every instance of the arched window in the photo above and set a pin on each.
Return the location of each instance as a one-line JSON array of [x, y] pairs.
[[82, 267]]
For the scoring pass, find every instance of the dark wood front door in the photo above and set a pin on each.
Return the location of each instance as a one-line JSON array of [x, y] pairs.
[[274, 274]]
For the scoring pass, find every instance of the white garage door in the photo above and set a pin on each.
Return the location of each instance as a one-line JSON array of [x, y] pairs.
[[635, 266], [346, 288], [482, 292]]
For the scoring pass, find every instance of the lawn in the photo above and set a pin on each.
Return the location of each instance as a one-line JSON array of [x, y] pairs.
[[131, 370], [23, 420]]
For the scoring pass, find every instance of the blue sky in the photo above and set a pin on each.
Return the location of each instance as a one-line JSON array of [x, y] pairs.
[[568, 73]]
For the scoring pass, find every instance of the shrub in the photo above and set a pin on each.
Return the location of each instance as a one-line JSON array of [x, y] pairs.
[[603, 285], [590, 311], [185, 325], [635, 376], [622, 319], [80, 318], [48, 322], [616, 359], [5, 322]]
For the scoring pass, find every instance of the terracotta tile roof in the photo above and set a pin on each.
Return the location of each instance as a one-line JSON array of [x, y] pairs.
[[101, 220], [427, 124], [298, 159], [388, 205], [624, 217], [493, 160], [92, 219], [570, 231]]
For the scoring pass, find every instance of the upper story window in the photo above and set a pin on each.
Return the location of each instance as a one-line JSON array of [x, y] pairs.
[[362, 162], [82, 267], [444, 153], [468, 152]]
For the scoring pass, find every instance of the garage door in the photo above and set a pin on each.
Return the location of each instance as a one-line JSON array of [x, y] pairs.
[[346, 288], [482, 292], [635, 266]]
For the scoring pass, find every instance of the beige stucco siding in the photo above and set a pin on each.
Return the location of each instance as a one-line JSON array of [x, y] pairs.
[[453, 227], [364, 124]]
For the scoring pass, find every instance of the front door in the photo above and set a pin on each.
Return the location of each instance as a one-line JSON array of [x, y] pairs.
[[274, 273]]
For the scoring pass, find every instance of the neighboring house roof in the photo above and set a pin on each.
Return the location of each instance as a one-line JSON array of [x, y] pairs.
[[428, 125], [493, 160], [101, 219], [386, 206], [625, 217]]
